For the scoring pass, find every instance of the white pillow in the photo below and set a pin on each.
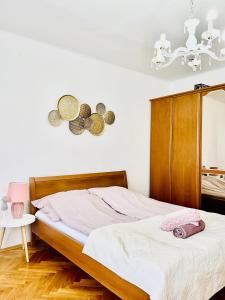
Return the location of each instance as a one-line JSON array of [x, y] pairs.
[[45, 206]]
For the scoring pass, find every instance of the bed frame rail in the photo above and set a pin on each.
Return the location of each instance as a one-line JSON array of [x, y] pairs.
[[213, 171]]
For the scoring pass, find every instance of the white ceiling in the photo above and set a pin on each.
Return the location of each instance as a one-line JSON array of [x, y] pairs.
[[121, 32]]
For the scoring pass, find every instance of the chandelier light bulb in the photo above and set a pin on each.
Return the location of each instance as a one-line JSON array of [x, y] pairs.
[[212, 15]]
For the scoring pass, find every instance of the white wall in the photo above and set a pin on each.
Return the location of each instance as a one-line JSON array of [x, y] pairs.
[[213, 77], [33, 76]]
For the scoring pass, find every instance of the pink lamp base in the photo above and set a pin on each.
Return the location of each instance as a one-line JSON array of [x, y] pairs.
[[17, 209]]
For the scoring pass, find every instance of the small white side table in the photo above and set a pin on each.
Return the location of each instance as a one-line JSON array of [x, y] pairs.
[[10, 222]]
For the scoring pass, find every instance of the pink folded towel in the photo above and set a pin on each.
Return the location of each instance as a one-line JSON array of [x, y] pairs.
[[190, 217], [184, 231]]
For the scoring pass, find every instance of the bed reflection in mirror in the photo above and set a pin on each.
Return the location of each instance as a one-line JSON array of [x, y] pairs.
[[213, 152]]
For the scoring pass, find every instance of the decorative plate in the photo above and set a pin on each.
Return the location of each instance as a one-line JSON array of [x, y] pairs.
[[98, 124], [109, 117], [87, 123], [68, 107], [54, 118], [77, 126], [85, 110], [100, 109]]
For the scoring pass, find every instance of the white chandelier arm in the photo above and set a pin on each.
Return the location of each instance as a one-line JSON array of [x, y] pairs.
[[172, 57], [179, 51], [212, 55]]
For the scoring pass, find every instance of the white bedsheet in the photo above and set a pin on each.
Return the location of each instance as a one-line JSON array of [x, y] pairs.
[[62, 227], [165, 267]]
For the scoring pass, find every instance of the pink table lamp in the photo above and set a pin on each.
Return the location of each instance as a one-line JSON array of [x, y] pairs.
[[18, 193]]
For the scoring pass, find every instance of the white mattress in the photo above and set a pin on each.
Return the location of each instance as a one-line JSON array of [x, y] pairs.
[[62, 227]]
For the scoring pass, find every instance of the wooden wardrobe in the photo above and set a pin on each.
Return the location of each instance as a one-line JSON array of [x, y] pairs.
[[176, 140]]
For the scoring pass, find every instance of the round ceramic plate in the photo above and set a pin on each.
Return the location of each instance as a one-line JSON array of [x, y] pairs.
[[100, 109], [109, 117], [77, 126], [98, 124], [87, 123], [85, 110], [54, 118], [68, 107]]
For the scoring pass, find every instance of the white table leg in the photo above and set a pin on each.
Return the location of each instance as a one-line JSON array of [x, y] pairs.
[[24, 238], [2, 231]]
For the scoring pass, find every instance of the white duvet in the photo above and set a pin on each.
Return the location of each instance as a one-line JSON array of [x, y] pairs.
[[165, 267]]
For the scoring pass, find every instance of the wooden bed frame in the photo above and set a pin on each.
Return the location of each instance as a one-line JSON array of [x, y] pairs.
[[71, 248], [213, 171], [213, 203]]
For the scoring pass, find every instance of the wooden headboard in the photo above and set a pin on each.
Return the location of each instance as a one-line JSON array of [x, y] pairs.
[[43, 186]]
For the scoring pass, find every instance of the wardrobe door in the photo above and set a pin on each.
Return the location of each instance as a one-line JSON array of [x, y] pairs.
[[186, 150], [161, 130]]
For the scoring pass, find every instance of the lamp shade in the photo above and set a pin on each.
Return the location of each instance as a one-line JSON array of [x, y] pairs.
[[18, 192]]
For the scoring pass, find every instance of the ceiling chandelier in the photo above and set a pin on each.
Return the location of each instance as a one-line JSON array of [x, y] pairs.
[[192, 53]]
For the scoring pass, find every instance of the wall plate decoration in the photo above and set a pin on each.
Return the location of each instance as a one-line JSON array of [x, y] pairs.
[[87, 123], [98, 124], [100, 109], [85, 110], [68, 107], [109, 117], [77, 126], [54, 118], [80, 116]]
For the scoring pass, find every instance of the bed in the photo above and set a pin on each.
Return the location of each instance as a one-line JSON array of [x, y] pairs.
[[213, 190], [71, 247], [137, 248]]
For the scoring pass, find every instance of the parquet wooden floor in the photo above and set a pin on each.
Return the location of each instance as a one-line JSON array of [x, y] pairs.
[[49, 276]]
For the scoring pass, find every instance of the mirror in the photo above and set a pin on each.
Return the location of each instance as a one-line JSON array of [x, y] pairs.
[[213, 151]]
